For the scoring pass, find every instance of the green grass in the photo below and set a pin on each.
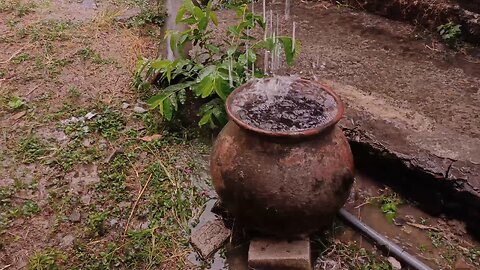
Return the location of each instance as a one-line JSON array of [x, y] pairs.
[[90, 54], [17, 7], [348, 255], [73, 154], [74, 92], [113, 176], [108, 123], [31, 149], [96, 223], [46, 260], [21, 58]]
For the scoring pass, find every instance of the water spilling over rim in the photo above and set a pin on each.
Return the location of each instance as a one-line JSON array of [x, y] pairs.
[[284, 106]]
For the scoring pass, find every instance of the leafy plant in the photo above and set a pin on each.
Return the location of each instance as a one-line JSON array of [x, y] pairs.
[[31, 149], [450, 31], [15, 103], [390, 206], [214, 70], [389, 203], [46, 260]]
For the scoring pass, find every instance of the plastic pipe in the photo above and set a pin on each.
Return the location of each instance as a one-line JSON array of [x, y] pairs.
[[382, 242]]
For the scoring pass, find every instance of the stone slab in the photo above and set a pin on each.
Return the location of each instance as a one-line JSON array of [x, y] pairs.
[[209, 237], [273, 254]]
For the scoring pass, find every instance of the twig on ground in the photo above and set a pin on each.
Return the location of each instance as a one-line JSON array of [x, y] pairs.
[[6, 266], [135, 205], [15, 54], [423, 227], [33, 89]]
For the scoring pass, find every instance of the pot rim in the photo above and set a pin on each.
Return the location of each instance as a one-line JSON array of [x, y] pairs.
[[290, 134]]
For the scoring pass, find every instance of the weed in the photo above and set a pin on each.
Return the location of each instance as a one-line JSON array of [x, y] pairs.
[[152, 122], [55, 67], [15, 103], [113, 178], [436, 238], [349, 255], [109, 123], [2, 74], [46, 260], [90, 54], [30, 208], [19, 8], [21, 58], [30, 149], [50, 31], [388, 204], [74, 92], [73, 154], [96, 222], [450, 32], [148, 16]]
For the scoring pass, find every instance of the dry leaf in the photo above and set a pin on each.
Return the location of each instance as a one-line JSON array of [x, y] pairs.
[[152, 138]]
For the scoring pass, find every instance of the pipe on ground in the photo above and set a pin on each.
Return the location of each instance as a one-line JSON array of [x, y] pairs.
[[382, 242]]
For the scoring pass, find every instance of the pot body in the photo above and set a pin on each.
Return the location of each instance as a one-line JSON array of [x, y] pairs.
[[282, 186]]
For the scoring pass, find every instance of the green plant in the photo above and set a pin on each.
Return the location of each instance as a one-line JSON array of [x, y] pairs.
[[20, 58], [109, 123], [73, 92], [46, 260], [214, 70], [96, 222], [450, 31], [30, 208], [95, 57], [15, 103], [388, 202], [31, 149]]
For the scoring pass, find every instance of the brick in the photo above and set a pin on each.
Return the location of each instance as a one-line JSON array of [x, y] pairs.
[[209, 237], [273, 254]]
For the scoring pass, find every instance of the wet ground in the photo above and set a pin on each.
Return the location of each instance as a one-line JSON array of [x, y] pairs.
[[438, 242]]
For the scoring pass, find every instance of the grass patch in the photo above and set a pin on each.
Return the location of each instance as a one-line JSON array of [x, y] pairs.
[[21, 58], [109, 124], [31, 149], [17, 7], [46, 260], [347, 255], [51, 30], [72, 154], [113, 176], [90, 54]]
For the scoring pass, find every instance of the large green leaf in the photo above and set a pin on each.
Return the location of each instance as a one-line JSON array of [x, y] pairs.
[[167, 109], [205, 87]]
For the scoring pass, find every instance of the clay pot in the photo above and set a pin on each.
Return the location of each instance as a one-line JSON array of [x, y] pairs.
[[282, 183]]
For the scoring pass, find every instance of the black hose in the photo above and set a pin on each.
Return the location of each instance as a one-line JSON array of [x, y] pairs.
[[382, 242]]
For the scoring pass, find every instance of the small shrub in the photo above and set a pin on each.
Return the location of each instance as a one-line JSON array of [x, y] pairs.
[[450, 31]]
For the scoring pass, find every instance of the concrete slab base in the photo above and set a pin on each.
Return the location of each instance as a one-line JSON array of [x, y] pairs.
[[275, 254], [209, 237]]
